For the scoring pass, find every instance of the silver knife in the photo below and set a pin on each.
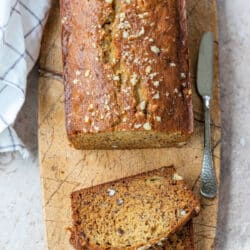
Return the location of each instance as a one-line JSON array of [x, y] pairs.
[[205, 84]]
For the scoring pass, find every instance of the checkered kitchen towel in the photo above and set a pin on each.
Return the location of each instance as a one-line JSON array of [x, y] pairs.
[[21, 23]]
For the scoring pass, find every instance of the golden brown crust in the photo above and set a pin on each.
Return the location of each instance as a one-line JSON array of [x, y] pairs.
[[126, 68], [79, 237]]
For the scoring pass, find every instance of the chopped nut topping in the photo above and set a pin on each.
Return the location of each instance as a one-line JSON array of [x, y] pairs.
[[176, 90], [152, 75], [76, 81], [183, 75], [86, 119], [156, 83], [64, 19], [177, 177], [134, 79], [124, 119], [151, 40], [142, 105], [122, 16], [142, 15], [184, 84], [91, 107], [158, 118], [148, 69], [127, 1], [167, 94], [116, 78], [127, 108], [96, 128], [109, 1], [141, 32], [137, 126], [172, 64], [111, 192], [87, 73], [156, 96], [125, 34], [78, 72], [155, 49], [147, 126]]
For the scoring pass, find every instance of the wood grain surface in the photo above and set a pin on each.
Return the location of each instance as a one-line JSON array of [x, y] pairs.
[[64, 169]]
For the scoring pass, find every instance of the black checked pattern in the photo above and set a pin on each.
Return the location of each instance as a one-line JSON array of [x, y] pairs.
[[16, 56]]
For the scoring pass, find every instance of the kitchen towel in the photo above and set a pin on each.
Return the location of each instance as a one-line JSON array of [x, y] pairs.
[[21, 25]]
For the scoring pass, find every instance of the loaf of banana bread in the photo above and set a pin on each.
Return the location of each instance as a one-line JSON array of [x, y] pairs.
[[126, 73], [133, 212]]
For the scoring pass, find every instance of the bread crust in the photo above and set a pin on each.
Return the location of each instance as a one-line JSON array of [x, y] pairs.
[[126, 71]]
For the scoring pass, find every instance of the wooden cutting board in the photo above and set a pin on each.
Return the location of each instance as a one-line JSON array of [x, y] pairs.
[[64, 169]]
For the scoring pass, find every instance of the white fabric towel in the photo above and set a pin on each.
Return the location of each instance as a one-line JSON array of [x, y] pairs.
[[21, 25]]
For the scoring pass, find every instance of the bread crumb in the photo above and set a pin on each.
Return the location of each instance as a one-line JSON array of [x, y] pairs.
[[120, 201], [111, 192], [120, 232]]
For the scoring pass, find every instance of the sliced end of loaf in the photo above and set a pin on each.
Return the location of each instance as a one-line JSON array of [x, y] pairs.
[[133, 212]]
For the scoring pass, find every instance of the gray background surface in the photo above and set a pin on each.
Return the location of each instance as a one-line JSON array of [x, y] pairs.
[[21, 224]]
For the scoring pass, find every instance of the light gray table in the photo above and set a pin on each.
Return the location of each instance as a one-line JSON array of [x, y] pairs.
[[21, 223]]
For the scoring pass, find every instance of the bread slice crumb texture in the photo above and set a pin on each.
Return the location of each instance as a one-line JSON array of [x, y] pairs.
[[133, 212]]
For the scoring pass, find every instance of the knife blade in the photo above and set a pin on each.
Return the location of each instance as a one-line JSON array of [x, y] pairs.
[[205, 85]]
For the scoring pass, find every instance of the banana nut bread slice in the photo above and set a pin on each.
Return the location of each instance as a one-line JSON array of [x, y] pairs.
[[183, 240], [133, 212]]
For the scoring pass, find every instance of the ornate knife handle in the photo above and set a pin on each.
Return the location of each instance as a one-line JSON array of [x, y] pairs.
[[208, 177]]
